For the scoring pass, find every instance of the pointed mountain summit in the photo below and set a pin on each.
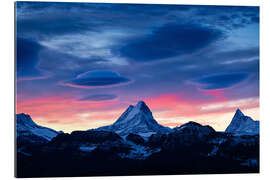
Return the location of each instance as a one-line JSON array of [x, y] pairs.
[[242, 124], [238, 113], [26, 127], [136, 119]]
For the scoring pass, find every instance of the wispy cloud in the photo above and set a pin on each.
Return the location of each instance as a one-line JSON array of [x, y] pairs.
[[98, 97]]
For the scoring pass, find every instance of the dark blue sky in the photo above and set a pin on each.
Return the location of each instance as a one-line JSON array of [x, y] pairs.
[[117, 54]]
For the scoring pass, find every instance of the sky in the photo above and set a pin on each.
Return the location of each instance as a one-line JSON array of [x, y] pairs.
[[80, 65]]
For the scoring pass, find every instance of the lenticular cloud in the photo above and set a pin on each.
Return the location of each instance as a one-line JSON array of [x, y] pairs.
[[97, 78]]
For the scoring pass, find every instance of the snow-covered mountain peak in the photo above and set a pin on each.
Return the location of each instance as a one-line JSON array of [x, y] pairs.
[[130, 107], [129, 116], [141, 105], [242, 124], [25, 120], [238, 113], [25, 126], [136, 119]]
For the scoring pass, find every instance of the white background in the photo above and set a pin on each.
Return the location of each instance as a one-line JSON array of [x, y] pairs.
[[7, 89]]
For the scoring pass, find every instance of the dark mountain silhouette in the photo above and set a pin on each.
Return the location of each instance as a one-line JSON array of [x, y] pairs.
[[124, 149]]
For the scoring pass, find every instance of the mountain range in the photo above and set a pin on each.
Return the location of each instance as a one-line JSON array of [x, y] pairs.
[[136, 119], [136, 138]]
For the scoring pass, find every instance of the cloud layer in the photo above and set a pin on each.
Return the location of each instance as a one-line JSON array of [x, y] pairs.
[[27, 58], [97, 78], [220, 81], [170, 40]]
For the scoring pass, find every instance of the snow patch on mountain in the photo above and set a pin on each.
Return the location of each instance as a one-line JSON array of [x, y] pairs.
[[87, 148], [138, 152], [146, 135]]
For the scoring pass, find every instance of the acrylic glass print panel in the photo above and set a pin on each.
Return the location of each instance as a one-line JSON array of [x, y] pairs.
[[136, 89]]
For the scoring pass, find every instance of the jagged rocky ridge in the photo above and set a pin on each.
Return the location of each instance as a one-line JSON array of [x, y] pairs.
[[105, 150], [242, 124]]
